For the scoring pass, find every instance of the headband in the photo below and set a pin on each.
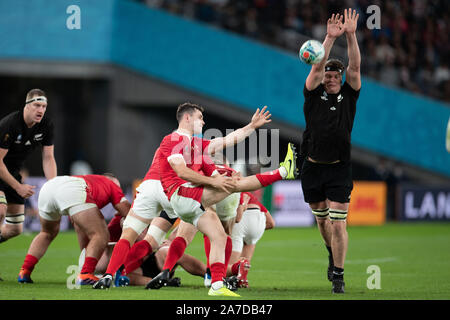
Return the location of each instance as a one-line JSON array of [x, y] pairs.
[[334, 68], [40, 98]]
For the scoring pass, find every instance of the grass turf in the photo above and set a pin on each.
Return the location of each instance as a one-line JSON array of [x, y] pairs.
[[289, 264]]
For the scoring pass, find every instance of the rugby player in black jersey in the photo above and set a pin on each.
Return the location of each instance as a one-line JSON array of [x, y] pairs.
[[20, 133], [329, 109]]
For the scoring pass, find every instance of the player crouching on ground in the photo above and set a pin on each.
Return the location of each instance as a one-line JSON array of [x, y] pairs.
[[80, 197]]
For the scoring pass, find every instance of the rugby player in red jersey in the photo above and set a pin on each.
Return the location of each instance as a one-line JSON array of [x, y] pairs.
[[191, 192], [80, 197], [151, 205]]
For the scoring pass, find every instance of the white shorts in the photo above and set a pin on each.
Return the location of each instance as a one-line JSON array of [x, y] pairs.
[[227, 208], [249, 230], [151, 200], [63, 195], [185, 202]]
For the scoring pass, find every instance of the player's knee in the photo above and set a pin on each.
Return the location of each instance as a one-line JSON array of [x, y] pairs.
[[3, 204], [102, 240], [134, 223], [337, 215], [320, 214], [219, 237], [15, 221], [156, 234], [50, 235]]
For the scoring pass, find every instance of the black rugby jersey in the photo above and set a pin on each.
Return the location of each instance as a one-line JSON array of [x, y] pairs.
[[21, 140], [329, 123]]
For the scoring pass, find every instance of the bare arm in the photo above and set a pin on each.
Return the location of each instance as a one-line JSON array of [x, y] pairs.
[[354, 56], [24, 190], [123, 207], [218, 181], [49, 162], [192, 265], [241, 208], [270, 222], [334, 30], [260, 118], [137, 279]]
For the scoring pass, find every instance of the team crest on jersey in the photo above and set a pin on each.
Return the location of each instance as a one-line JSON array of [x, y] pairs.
[[38, 137], [339, 98], [324, 96]]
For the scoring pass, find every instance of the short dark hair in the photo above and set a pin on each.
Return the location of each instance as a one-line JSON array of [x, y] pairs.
[[35, 93], [335, 65], [189, 108]]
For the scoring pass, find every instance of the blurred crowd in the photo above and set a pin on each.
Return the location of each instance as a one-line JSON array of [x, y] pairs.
[[410, 50]]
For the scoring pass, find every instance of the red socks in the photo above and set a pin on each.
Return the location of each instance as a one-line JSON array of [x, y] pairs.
[[228, 249], [207, 244], [235, 268], [89, 265], [138, 251], [176, 251], [114, 228], [267, 178], [119, 255], [217, 272], [29, 262]]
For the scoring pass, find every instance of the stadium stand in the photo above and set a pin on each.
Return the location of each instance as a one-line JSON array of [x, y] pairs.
[[410, 50]]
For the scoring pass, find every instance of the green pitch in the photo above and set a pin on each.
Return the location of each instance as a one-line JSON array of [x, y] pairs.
[[289, 264]]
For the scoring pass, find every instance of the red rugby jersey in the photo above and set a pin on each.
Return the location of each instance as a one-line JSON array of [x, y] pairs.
[[101, 190], [253, 200], [191, 149]]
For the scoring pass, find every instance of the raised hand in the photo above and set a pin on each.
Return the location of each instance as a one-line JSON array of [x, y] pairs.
[[350, 20], [335, 28], [260, 118]]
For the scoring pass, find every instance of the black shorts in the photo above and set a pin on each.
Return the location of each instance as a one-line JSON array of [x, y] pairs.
[[10, 194], [326, 181], [164, 215], [150, 267]]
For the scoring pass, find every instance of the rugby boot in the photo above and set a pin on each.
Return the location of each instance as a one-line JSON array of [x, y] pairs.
[[86, 278], [24, 276], [104, 282], [290, 163], [159, 281]]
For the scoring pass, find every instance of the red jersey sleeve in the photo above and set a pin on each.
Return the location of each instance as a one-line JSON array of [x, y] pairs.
[[116, 194], [172, 146]]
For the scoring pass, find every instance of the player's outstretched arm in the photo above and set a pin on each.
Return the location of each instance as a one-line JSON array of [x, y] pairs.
[[334, 30], [217, 181], [353, 76], [260, 118], [49, 162], [192, 265]]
